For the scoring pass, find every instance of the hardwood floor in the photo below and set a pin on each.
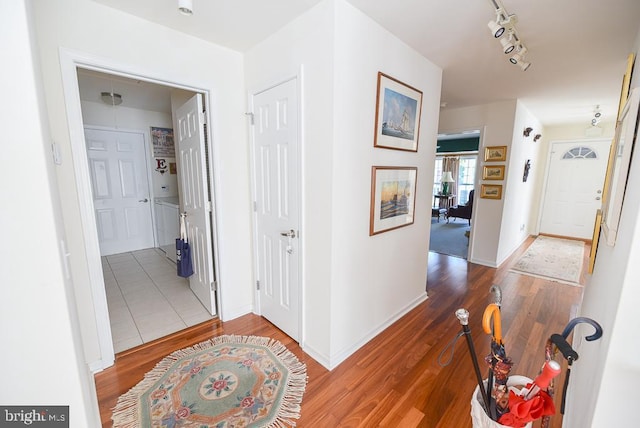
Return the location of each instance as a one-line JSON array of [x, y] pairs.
[[395, 380]]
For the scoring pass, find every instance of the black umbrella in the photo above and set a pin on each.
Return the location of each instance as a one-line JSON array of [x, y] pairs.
[[463, 316]]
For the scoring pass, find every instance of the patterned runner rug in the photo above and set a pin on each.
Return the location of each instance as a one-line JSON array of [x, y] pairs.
[[228, 381], [553, 258]]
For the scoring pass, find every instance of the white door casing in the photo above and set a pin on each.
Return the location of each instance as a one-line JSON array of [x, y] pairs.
[[120, 188], [277, 193], [195, 198], [575, 181]]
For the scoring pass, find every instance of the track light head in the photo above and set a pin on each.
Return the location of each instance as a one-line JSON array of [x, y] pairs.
[[524, 65], [496, 29], [508, 44], [519, 55]]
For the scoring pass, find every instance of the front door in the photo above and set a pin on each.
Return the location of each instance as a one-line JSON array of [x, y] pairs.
[[120, 189], [574, 188], [195, 198], [276, 189]]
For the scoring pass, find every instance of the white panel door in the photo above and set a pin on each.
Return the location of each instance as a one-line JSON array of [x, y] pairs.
[[574, 188], [275, 150], [195, 198], [120, 186]]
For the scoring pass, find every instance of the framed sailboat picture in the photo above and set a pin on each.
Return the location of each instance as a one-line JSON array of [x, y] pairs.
[[398, 109]]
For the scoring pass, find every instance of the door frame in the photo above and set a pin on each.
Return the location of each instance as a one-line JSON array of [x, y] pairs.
[[146, 168], [70, 62], [298, 77], [547, 169], [476, 182]]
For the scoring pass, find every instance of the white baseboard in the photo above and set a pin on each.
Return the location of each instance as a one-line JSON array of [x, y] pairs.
[[338, 358]]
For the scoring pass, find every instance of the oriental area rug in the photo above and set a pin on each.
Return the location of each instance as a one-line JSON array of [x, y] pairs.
[[228, 381], [553, 258]]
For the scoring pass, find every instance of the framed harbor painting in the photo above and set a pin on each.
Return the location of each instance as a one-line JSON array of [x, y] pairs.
[[398, 109], [393, 197], [493, 172], [491, 191], [495, 153]]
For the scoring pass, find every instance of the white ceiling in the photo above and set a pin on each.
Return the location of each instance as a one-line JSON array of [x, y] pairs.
[[578, 48]]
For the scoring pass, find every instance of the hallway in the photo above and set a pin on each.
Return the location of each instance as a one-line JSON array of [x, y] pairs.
[[146, 298]]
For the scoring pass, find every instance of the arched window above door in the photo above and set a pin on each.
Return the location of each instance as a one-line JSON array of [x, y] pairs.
[[580, 152]]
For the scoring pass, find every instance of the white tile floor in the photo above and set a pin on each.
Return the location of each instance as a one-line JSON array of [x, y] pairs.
[[146, 298]]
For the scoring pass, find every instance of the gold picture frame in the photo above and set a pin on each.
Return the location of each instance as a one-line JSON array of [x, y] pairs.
[[594, 240], [626, 84], [493, 172], [495, 153], [491, 191]]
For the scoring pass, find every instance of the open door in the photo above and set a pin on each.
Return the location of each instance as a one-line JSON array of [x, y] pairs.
[[195, 198]]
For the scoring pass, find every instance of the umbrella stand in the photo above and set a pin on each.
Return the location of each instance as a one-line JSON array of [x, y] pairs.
[[463, 316]]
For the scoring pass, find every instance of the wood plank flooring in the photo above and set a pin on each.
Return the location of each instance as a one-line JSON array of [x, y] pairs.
[[395, 380]]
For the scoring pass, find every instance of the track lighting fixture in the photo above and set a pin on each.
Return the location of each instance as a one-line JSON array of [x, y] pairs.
[[537, 137], [185, 7], [596, 116], [527, 131], [504, 28]]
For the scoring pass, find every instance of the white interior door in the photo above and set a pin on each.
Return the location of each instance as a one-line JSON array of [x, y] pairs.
[[120, 189], [574, 188], [195, 198], [276, 188]]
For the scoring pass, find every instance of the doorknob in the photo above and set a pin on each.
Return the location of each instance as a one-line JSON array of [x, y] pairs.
[[144, 200], [290, 234]]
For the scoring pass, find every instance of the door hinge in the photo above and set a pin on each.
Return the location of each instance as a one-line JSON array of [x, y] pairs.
[[209, 206], [258, 285], [214, 286], [250, 114]]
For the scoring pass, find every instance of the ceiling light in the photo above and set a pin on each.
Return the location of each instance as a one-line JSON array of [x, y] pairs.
[[519, 55], [185, 7], [111, 98], [505, 24], [496, 29], [508, 43], [596, 116]]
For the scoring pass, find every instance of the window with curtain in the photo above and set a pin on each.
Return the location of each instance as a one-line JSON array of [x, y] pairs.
[[466, 172]]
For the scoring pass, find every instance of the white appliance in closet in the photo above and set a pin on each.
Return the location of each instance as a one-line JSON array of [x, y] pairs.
[[167, 224]]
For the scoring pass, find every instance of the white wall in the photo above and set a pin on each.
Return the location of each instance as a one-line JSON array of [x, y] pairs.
[[520, 208], [39, 334], [307, 44], [602, 390], [133, 119], [141, 47], [354, 285], [377, 278]]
